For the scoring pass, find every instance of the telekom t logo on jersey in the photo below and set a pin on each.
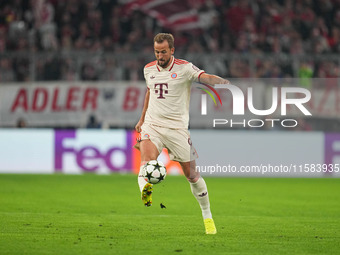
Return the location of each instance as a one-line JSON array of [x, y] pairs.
[[161, 89]]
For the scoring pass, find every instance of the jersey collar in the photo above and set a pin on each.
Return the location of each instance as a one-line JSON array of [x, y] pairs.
[[172, 62]]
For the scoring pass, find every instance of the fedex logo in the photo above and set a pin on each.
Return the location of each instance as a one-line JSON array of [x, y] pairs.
[[87, 150]]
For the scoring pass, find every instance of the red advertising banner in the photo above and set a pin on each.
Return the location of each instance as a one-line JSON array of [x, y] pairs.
[[119, 104]]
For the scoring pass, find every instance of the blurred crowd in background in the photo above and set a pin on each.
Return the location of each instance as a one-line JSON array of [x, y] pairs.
[[104, 40], [112, 40]]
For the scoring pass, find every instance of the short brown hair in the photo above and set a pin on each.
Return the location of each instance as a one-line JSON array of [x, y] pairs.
[[161, 37]]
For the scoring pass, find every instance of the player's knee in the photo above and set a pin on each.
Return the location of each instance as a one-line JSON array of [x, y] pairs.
[[147, 158], [193, 179], [149, 152], [192, 176]]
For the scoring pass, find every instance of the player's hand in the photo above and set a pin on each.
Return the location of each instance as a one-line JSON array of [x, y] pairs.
[[225, 81], [138, 127]]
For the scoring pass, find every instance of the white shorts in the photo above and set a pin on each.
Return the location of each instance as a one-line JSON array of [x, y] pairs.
[[176, 141]]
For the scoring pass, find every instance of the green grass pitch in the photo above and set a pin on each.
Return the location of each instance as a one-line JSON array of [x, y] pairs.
[[103, 214]]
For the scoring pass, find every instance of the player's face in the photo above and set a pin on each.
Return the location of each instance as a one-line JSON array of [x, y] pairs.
[[163, 53]]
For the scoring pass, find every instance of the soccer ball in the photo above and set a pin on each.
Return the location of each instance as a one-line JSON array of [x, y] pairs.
[[154, 171]]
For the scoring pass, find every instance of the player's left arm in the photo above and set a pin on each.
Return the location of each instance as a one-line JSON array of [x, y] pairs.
[[211, 79]]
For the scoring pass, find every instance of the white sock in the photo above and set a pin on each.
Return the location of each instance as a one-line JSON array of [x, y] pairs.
[[200, 191], [141, 181]]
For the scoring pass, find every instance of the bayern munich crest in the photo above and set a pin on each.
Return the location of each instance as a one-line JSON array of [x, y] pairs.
[[174, 75]]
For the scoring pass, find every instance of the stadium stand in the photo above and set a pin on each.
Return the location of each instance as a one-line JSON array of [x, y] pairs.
[[247, 38], [109, 40]]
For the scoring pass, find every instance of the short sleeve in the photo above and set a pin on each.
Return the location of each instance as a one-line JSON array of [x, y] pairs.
[[194, 72], [146, 77]]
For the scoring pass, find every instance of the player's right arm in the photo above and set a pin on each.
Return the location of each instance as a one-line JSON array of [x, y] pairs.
[[145, 107]]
